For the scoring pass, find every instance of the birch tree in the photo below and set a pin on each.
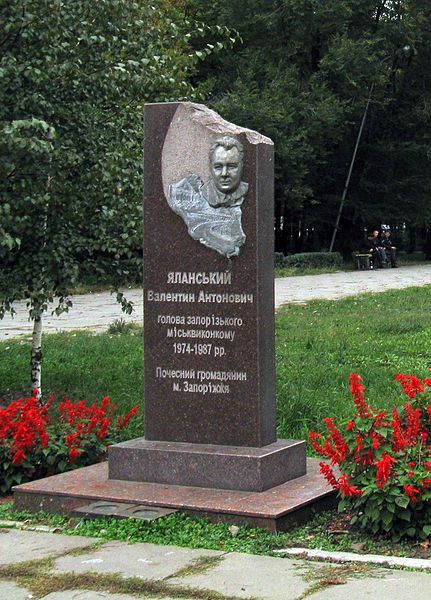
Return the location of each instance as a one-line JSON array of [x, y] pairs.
[[73, 80]]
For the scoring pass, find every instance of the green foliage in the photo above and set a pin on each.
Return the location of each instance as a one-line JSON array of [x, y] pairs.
[[278, 259], [120, 326], [385, 461], [74, 78], [302, 76], [310, 260]]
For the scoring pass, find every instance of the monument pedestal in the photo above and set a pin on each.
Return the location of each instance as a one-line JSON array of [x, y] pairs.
[[207, 465], [275, 509]]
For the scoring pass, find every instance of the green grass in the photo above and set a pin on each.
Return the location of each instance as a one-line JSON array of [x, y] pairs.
[[81, 366], [327, 531], [317, 346]]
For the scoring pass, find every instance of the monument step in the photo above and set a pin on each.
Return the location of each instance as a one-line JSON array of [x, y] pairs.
[[208, 465], [275, 509]]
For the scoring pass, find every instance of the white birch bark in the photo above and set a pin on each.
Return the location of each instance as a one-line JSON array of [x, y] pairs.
[[36, 355]]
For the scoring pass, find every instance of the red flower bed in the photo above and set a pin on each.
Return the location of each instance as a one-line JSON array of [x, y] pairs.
[[38, 440], [384, 460]]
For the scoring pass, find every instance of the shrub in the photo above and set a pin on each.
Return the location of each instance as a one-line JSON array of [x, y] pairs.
[[311, 260], [37, 440], [279, 260], [384, 461]]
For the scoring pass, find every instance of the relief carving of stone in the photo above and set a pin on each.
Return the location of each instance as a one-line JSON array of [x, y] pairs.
[[211, 210]]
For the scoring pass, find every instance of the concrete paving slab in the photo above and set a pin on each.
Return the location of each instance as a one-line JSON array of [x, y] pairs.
[[18, 546], [146, 561], [10, 591], [353, 557], [245, 576], [393, 585]]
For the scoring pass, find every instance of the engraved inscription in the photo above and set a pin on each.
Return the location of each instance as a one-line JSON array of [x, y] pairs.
[[189, 336], [200, 382], [212, 210]]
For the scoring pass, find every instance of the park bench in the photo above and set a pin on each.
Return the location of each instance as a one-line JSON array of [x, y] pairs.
[[363, 261]]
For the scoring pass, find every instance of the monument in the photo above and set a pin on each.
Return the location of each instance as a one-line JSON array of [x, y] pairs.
[[208, 309], [210, 446]]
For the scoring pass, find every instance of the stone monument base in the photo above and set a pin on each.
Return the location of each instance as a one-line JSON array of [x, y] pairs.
[[275, 509], [207, 465]]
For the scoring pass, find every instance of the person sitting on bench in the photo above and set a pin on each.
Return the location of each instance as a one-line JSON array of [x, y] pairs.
[[388, 244], [373, 246]]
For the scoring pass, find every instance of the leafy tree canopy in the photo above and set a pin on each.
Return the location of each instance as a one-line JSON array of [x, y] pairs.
[[73, 80], [302, 76]]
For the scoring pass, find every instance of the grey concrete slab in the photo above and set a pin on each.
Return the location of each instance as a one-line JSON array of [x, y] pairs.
[[18, 546], [10, 591], [393, 585], [245, 576], [353, 557], [96, 311], [147, 561]]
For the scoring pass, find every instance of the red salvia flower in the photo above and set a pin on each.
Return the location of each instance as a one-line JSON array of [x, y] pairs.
[[346, 489], [329, 475], [411, 492], [397, 433], [313, 437], [337, 438], [357, 392], [410, 384], [73, 455], [384, 466], [123, 422]]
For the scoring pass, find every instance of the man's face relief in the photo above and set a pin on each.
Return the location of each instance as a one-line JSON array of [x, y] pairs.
[[226, 169]]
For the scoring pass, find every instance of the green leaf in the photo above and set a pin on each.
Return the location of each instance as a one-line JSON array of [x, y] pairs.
[[402, 501]]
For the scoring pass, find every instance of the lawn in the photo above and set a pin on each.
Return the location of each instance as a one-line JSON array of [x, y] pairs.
[[317, 346]]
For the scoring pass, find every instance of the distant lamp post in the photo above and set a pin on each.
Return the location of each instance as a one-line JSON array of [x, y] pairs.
[[407, 52]]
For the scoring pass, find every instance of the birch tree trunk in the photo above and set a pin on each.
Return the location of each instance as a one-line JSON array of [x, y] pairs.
[[36, 356]]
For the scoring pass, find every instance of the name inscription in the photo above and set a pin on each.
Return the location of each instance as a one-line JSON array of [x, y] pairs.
[[200, 335]]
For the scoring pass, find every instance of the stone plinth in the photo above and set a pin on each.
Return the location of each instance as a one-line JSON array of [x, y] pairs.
[[209, 466], [208, 309], [275, 509], [208, 319]]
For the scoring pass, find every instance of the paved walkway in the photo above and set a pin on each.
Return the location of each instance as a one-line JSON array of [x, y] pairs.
[[96, 311], [83, 570]]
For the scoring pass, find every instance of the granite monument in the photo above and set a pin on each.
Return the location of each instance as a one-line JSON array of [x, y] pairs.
[[208, 308]]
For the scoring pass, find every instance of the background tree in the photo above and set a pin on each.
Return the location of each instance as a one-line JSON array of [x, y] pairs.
[[302, 75], [73, 80]]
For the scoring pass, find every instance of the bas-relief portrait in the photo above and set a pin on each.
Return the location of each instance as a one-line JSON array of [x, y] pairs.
[[211, 210]]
